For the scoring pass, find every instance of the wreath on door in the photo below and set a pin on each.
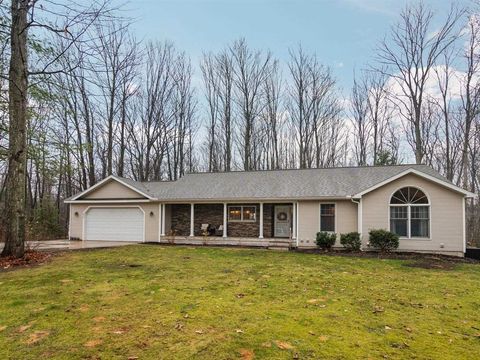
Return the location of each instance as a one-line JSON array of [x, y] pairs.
[[282, 216]]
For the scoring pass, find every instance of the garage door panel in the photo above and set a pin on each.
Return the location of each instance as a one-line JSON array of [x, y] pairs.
[[114, 224]]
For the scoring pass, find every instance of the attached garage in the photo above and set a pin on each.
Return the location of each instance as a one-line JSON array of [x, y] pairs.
[[114, 224]]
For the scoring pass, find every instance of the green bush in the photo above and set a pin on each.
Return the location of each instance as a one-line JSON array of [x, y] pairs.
[[326, 240], [351, 241], [383, 240]]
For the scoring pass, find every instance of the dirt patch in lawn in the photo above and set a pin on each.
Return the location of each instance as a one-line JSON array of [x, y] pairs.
[[31, 258], [432, 263]]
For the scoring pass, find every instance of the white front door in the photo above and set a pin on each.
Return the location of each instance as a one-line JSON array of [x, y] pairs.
[[282, 222], [114, 224]]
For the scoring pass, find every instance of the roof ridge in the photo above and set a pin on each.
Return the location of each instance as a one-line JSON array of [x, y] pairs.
[[306, 169]]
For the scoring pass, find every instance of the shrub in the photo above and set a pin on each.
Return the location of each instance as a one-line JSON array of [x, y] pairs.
[[351, 241], [383, 240], [326, 240]]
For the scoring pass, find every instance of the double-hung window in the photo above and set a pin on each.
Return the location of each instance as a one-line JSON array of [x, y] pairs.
[[327, 217], [410, 213]]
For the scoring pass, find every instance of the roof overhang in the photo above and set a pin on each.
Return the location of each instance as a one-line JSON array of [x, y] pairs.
[[75, 199], [421, 174]]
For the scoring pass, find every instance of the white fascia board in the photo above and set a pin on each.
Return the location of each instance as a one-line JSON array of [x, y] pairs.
[[107, 201], [448, 185], [100, 183]]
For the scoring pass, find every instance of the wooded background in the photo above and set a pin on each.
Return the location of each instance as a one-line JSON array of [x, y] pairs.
[[117, 105]]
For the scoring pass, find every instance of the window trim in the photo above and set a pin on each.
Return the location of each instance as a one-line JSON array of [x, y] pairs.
[[409, 218], [241, 213], [334, 217]]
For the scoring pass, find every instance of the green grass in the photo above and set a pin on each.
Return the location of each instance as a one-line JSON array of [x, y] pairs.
[[216, 303]]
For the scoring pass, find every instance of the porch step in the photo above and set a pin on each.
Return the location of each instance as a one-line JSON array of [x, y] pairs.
[[219, 241]]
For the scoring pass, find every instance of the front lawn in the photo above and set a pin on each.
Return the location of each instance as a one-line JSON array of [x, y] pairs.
[[167, 302]]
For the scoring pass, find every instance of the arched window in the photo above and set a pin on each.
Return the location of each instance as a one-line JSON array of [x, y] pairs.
[[410, 213]]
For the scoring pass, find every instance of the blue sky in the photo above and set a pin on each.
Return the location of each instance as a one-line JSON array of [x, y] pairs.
[[343, 33]]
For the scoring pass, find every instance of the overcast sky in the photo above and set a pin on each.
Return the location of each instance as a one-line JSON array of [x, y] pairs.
[[343, 33]]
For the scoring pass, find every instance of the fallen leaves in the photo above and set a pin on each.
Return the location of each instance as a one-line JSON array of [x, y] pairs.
[[378, 309], [284, 345], [200, 332], [315, 301], [323, 338], [247, 354], [31, 257], [92, 343], [23, 328], [36, 337]]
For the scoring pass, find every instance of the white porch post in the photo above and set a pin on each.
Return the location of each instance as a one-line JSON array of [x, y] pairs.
[[260, 235], [224, 220], [192, 214], [297, 212], [162, 233], [294, 221], [160, 213]]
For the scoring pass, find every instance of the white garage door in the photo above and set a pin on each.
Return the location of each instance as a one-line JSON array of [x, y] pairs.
[[114, 224]]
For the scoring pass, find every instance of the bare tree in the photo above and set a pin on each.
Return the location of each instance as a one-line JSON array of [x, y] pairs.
[[314, 111], [409, 56], [25, 17], [361, 127], [251, 69]]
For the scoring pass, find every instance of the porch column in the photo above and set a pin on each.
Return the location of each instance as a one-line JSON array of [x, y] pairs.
[[224, 220], [260, 235], [294, 221], [162, 233], [192, 214], [160, 213]]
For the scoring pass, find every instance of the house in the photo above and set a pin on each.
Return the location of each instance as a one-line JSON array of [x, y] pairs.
[[277, 208]]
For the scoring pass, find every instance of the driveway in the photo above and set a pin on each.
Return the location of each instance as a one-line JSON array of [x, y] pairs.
[[72, 245]]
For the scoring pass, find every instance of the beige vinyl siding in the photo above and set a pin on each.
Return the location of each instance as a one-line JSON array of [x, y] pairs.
[[347, 217], [446, 215], [113, 190], [309, 220], [151, 221]]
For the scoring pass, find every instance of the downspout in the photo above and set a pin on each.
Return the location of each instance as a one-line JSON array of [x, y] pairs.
[[359, 214]]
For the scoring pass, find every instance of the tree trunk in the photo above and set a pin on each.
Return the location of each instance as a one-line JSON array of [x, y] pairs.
[[17, 152]]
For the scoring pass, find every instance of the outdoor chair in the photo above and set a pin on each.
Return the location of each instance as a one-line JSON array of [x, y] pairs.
[[219, 231]]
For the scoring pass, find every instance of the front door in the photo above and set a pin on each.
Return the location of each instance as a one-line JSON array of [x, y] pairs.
[[282, 221]]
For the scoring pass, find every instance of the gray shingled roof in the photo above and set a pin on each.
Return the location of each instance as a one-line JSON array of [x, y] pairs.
[[276, 184]]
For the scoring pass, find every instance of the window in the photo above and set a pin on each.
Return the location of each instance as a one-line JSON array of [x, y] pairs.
[[410, 213], [327, 217], [235, 213], [248, 213], [242, 213]]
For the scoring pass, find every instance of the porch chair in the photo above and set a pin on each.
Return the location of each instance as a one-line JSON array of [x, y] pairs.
[[219, 231], [205, 228]]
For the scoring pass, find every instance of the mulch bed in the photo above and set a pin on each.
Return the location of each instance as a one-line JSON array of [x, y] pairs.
[[417, 260], [30, 258]]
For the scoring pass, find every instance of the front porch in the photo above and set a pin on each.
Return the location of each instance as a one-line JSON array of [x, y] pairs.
[[269, 225]]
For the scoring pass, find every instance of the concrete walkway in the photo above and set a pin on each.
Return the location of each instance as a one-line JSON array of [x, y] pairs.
[[72, 245]]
